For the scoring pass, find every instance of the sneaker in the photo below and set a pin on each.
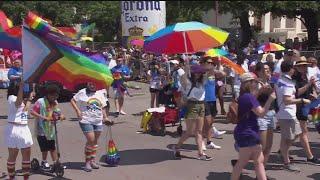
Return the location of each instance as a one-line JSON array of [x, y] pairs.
[[45, 165], [204, 157], [88, 167], [217, 134], [314, 161], [176, 153], [291, 167], [204, 148], [213, 146], [94, 165], [122, 113]]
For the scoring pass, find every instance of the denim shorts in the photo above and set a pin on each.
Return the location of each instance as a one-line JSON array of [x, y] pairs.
[[90, 127], [267, 122]]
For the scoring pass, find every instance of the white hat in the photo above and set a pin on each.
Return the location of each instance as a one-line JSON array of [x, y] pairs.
[[174, 61]]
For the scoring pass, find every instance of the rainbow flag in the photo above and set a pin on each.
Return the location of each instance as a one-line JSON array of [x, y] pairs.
[[39, 24], [10, 37], [68, 31], [5, 23], [46, 59], [9, 41], [312, 109], [79, 69]]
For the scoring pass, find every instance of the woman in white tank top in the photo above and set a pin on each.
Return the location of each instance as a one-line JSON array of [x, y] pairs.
[[17, 133], [194, 93]]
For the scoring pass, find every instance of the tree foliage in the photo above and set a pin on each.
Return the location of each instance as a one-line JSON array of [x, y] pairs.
[[106, 14], [307, 11], [182, 11]]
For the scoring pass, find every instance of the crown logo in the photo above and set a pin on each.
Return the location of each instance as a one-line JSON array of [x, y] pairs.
[[135, 31]]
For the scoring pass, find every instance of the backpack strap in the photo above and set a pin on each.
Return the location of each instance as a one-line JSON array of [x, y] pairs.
[[192, 86]]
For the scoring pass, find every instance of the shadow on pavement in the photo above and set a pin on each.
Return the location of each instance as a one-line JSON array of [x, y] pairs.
[[138, 114], [59, 178], [3, 175], [301, 153], [275, 158], [185, 147], [314, 176], [43, 173], [172, 134], [74, 119], [3, 117], [142, 156], [225, 176]]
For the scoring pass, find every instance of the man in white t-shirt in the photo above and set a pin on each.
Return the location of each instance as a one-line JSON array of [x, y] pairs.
[[289, 125]]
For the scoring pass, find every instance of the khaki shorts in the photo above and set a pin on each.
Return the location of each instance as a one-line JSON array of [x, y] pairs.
[[195, 110], [290, 128]]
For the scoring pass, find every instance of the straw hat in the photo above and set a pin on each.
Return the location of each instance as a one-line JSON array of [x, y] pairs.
[[302, 61], [247, 77]]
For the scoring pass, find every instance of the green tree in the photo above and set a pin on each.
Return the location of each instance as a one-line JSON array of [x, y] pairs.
[[308, 12], [240, 11], [106, 15], [182, 11], [61, 13]]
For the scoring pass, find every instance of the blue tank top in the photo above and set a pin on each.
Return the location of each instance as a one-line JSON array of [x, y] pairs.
[[210, 90]]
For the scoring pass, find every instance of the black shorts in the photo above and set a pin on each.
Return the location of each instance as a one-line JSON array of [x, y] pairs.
[[210, 108], [46, 145], [152, 90], [299, 114]]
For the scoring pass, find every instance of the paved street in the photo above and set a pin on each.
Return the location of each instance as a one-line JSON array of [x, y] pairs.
[[146, 157]]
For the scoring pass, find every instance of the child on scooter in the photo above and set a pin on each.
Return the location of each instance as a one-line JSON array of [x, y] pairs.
[[43, 111]]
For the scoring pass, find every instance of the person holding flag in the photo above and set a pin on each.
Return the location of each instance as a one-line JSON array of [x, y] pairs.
[[120, 73]]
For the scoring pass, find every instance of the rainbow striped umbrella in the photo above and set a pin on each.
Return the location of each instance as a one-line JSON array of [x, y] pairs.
[[216, 52], [187, 37], [271, 47]]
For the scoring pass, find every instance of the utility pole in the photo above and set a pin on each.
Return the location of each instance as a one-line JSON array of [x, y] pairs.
[[93, 38], [216, 11]]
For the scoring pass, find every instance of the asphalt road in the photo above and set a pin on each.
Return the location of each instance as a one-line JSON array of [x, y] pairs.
[[146, 157]]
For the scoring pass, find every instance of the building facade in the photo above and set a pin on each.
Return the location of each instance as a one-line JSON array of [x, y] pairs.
[[277, 28]]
